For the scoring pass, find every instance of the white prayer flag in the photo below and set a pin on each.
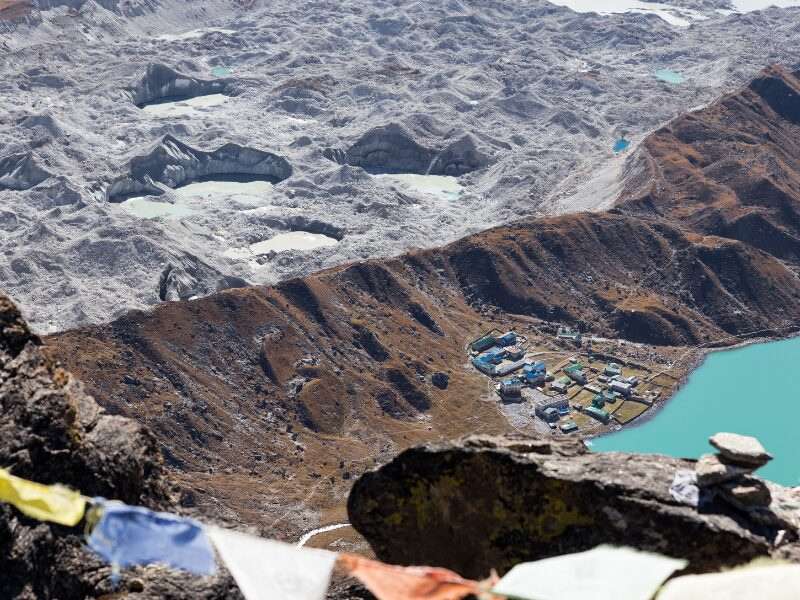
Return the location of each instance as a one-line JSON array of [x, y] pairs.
[[604, 573], [775, 582], [270, 570]]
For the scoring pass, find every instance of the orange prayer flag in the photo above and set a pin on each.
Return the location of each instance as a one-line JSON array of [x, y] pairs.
[[389, 582]]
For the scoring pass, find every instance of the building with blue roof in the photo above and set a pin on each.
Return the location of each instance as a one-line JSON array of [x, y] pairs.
[[507, 339], [494, 355], [598, 414], [483, 366], [534, 373]]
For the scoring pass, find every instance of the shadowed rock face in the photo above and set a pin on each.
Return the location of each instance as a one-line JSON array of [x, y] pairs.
[[160, 83], [20, 172], [185, 277], [173, 163], [391, 149], [493, 502], [52, 432], [781, 92]]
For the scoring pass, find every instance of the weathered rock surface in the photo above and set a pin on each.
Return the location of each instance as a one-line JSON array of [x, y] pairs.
[[183, 279], [492, 502], [160, 83], [173, 163], [746, 493], [393, 149], [440, 380], [740, 449], [52, 432], [711, 471], [20, 172]]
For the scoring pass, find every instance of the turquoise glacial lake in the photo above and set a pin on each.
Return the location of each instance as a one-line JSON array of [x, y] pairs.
[[752, 390], [621, 145], [669, 76], [221, 71]]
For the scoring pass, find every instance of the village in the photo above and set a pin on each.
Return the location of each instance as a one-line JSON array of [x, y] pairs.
[[569, 382]]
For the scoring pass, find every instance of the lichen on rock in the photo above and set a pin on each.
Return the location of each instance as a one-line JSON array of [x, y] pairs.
[[486, 503]]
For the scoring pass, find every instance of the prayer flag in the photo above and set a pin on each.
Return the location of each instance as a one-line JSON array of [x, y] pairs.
[[604, 573], [389, 582], [127, 535], [773, 582], [43, 502], [269, 570]]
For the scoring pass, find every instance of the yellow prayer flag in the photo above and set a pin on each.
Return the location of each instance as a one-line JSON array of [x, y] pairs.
[[44, 502]]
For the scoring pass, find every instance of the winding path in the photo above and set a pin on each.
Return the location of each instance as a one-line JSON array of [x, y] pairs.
[[307, 536]]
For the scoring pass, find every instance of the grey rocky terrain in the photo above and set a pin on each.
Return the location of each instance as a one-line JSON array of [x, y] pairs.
[[521, 100]]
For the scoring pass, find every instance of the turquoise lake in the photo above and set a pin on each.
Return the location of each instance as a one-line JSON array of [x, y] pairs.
[[752, 390], [621, 145], [669, 76]]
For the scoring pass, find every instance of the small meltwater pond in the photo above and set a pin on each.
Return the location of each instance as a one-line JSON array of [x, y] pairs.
[[193, 107], [193, 34], [678, 16], [152, 209], [221, 71], [196, 197], [669, 76], [621, 145], [441, 186], [232, 194], [752, 391], [293, 240]]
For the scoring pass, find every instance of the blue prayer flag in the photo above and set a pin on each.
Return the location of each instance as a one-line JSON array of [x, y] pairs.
[[128, 535]]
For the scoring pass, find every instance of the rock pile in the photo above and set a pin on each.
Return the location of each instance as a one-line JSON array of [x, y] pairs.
[[728, 473]]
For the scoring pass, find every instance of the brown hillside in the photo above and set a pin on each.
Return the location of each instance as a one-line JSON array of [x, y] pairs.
[[14, 9], [733, 169]]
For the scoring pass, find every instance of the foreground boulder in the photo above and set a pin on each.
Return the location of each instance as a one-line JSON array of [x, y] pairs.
[[493, 502], [52, 432]]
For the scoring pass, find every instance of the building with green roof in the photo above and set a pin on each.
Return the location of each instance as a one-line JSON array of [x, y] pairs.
[[598, 414], [568, 427]]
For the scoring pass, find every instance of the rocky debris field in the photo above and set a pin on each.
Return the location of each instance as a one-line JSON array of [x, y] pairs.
[[521, 101]]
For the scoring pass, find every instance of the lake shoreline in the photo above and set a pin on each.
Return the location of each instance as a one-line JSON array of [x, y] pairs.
[[752, 392], [692, 366]]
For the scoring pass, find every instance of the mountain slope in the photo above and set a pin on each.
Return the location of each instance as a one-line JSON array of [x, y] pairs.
[[274, 397], [733, 169]]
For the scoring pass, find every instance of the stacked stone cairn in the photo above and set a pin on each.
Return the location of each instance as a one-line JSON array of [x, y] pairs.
[[728, 473]]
